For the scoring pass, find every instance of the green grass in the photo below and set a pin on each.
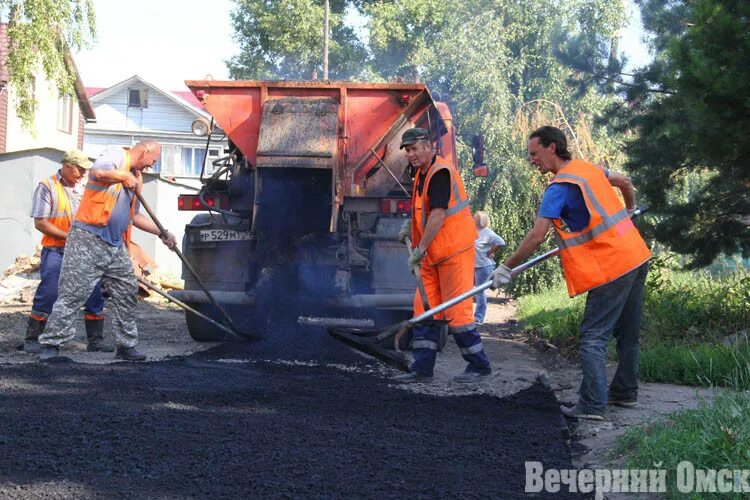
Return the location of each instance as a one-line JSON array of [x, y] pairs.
[[716, 435], [686, 317]]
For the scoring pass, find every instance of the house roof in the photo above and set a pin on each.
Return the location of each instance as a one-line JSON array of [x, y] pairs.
[[92, 91], [184, 99]]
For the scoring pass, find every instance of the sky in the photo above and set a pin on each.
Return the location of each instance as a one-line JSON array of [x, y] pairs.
[[169, 41]]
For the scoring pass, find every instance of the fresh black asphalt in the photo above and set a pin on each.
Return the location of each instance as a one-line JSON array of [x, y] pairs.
[[202, 427]]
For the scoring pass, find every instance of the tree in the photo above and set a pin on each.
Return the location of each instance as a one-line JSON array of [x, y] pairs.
[[691, 152], [282, 39], [494, 64], [41, 34]]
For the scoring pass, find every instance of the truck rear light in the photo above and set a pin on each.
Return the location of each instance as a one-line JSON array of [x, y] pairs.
[[193, 202], [395, 206]]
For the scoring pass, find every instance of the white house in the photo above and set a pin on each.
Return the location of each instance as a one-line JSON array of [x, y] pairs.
[[135, 110]]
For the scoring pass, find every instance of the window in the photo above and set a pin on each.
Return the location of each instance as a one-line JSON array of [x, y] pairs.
[[65, 114], [137, 98], [192, 161]]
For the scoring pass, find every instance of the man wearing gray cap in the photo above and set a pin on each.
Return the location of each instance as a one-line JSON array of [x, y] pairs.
[[56, 200], [442, 233]]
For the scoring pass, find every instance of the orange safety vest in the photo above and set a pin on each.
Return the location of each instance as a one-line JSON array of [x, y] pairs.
[[610, 246], [458, 232], [100, 198], [62, 211]]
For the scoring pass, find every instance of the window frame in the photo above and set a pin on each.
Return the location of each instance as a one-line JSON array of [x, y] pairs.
[[65, 114], [142, 98]]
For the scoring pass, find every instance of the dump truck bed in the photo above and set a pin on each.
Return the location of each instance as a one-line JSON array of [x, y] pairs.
[[370, 117]]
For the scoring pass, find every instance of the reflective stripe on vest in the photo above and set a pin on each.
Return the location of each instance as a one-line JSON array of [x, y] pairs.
[[458, 232], [100, 198], [61, 215], [610, 245]]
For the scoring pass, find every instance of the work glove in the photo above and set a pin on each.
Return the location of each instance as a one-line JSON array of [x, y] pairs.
[[405, 231], [415, 261], [500, 276]]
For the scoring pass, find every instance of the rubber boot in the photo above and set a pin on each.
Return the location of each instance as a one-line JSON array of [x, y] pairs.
[[31, 342], [95, 336], [129, 354]]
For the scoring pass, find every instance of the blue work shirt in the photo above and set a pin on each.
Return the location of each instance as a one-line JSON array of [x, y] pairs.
[[111, 159], [563, 200]]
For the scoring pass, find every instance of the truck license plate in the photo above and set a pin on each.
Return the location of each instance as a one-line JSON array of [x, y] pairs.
[[224, 235]]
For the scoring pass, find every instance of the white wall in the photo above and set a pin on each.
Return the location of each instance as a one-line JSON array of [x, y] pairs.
[[45, 133], [162, 198], [21, 172]]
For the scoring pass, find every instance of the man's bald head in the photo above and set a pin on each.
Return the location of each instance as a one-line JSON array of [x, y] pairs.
[[144, 154]]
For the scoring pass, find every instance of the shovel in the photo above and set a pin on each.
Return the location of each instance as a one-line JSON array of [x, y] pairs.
[[187, 307], [374, 342], [226, 317]]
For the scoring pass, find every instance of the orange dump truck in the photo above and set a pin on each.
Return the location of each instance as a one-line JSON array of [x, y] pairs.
[[303, 212]]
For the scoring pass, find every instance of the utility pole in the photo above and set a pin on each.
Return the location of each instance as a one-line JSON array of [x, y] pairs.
[[325, 39]]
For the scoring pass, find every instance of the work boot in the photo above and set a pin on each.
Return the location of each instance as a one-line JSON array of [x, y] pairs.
[[31, 342], [129, 354], [469, 377], [412, 378], [95, 336], [47, 352]]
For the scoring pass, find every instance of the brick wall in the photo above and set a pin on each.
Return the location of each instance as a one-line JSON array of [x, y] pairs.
[[81, 122], [3, 86]]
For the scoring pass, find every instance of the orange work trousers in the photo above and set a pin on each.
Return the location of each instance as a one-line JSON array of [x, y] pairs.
[[446, 280]]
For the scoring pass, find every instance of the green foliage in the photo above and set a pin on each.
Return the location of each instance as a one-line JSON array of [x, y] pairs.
[[692, 131], [493, 63], [283, 39], [716, 435], [553, 316], [40, 34], [686, 316], [703, 364]]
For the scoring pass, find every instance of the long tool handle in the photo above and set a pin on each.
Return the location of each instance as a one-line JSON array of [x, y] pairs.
[[418, 277], [484, 286], [185, 306], [185, 261]]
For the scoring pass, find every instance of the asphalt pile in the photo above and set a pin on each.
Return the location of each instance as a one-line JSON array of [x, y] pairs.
[[229, 423]]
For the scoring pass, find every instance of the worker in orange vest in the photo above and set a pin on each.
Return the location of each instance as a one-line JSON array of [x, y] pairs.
[[96, 249], [442, 232], [603, 254], [55, 201]]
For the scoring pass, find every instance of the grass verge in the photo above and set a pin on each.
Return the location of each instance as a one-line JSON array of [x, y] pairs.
[[715, 435], [686, 318]]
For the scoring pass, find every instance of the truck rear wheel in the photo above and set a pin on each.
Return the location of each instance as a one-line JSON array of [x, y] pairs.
[[200, 329]]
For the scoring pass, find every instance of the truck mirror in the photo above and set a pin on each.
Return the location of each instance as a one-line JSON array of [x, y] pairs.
[[477, 155]]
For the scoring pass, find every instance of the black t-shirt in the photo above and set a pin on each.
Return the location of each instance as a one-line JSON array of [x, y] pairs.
[[439, 190]]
